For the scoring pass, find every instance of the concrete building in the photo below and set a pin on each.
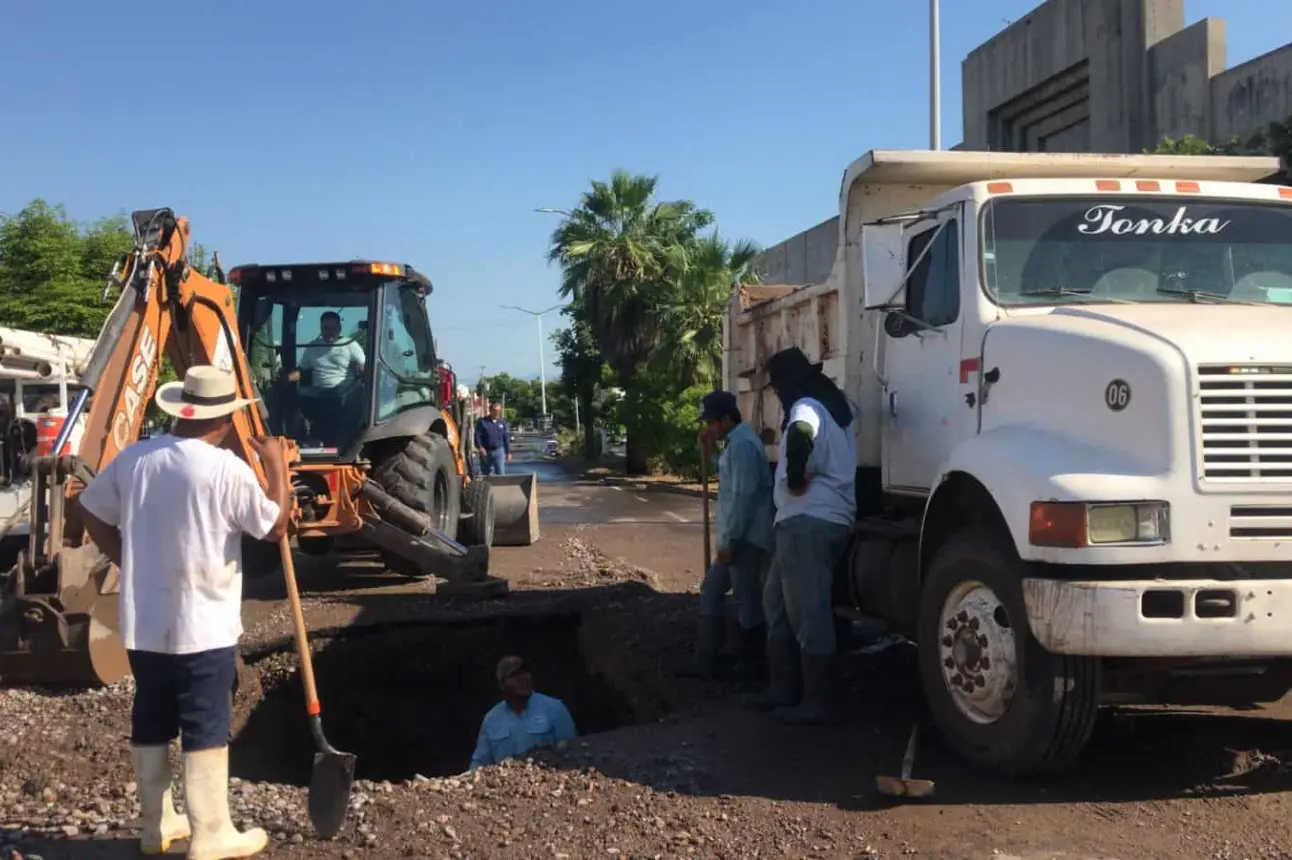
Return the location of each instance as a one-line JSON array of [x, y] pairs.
[[1090, 76]]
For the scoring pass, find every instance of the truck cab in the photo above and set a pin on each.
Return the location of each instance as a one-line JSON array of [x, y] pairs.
[[1074, 380]]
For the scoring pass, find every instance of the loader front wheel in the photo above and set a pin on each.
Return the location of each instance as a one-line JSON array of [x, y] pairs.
[[420, 473], [998, 697], [477, 529]]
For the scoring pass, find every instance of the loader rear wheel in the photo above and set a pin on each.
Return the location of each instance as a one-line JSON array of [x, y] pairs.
[[997, 696], [477, 529], [420, 472]]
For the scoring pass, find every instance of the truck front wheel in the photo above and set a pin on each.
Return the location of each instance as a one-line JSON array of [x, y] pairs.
[[998, 697]]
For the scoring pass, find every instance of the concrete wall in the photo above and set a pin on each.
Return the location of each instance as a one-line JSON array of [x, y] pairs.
[[1115, 76], [802, 259], [1247, 98]]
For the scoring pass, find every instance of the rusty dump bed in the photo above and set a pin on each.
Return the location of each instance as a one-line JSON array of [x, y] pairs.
[[764, 319]]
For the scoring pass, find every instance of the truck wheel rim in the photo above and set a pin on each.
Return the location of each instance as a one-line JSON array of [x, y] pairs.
[[976, 652]]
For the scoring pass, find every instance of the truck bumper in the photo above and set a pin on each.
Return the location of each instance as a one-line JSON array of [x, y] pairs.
[[1161, 618]]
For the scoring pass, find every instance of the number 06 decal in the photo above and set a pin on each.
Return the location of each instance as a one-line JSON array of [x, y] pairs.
[[1117, 395]]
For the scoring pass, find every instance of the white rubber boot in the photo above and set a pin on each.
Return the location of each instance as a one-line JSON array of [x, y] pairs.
[[206, 794], [162, 825]]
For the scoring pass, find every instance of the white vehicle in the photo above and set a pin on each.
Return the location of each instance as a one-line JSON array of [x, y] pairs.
[[38, 376], [1074, 383]]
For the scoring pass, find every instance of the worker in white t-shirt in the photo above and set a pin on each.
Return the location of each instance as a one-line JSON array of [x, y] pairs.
[[333, 366], [171, 512], [816, 510]]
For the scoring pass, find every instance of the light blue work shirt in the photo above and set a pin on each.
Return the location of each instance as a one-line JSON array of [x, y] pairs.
[[505, 733], [745, 510]]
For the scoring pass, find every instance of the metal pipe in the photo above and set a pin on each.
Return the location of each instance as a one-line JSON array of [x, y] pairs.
[[73, 413], [935, 79]]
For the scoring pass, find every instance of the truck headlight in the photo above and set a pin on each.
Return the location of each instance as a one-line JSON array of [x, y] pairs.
[[1078, 524]]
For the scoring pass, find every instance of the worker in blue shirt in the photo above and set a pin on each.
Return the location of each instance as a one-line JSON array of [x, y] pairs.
[[522, 720], [493, 442], [744, 538]]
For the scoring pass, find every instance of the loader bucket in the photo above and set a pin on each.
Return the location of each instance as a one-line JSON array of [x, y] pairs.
[[69, 635], [515, 507]]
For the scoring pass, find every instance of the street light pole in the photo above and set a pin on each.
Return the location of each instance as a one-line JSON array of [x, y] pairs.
[[542, 361], [935, 79]]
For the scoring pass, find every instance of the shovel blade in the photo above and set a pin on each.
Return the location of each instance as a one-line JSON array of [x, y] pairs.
[[329, 799]]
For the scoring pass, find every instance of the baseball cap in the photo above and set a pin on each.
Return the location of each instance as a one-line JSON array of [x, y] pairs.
[[509, 666], [717, 404]]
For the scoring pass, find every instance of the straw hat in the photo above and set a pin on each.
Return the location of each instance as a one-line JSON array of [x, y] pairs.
[[206, 392]]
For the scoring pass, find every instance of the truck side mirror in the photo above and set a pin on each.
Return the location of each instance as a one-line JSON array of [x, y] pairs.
[[883, 266], [897, 325]]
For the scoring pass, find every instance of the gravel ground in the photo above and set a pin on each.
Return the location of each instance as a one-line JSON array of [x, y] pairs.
[[674, 768]]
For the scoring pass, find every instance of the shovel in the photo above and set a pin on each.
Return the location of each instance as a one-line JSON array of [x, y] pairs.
[[329, 798], [704, 504], [892, 786]]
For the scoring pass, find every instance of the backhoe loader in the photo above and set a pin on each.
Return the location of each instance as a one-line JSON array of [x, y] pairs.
[[360, 468]]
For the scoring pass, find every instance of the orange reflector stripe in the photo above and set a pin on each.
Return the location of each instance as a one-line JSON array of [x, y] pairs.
[[999, 188], [1187, 187], [1285, 192], [1057, 524], [1108, 185], [1148, 185]]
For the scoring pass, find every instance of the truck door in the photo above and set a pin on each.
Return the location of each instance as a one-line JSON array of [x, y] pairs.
[[922, 361]]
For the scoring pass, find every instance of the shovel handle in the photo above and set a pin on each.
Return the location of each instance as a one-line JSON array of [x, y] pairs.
[[704, 505], [302, 637]]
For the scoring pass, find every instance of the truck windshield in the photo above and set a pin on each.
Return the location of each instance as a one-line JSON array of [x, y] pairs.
[[1046, 251]]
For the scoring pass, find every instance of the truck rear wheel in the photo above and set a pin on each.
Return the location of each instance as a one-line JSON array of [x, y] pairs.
[[998, 697], [421, 474]]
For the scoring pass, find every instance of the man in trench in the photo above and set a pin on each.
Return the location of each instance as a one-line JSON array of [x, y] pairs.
[[816, 509], [170, 511], [522, 720], [744, 539]]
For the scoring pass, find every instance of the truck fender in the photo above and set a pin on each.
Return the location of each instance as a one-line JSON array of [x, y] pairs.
[[1018, 465]]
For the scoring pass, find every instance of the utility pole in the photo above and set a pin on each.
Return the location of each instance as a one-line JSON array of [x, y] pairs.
[[542, 362], [935, 79]]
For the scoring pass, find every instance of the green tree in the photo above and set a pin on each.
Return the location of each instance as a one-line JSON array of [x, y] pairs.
[[692, 315], [52, 271], [617, 250]]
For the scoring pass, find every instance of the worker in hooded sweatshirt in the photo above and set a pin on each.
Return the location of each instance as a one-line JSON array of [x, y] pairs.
[[171, 512], [816, 509]]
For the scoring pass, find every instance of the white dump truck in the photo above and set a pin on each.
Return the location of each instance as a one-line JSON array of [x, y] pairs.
[[1074, 381]]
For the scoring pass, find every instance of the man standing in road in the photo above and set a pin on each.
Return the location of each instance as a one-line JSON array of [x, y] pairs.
[[522, 720], [170, 512], [816, 508], [744, 537], [493, 442]]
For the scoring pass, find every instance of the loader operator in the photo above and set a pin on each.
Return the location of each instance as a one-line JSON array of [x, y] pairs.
[[330, 364], [816, 507], [170, 512]]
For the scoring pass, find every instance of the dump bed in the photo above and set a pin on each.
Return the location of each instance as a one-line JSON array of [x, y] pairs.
[[827, 320]]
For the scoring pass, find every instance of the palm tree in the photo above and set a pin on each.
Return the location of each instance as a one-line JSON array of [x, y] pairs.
[[617, 250], [691, 319]]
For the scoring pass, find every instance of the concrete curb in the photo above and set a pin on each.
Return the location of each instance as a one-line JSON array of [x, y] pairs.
[[660, 486]]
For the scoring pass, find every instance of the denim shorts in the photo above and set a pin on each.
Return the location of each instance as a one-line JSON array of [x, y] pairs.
[[189, 696]]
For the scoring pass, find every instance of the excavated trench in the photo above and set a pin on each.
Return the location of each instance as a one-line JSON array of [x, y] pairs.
[[408, 700]]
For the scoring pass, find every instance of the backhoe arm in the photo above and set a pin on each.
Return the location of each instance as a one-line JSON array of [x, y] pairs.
[[166, 308]]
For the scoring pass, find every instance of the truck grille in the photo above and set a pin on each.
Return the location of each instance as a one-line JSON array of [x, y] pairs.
[[1246, 416]]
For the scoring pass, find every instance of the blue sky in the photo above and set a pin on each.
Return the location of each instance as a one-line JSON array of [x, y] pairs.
[[428, 132]]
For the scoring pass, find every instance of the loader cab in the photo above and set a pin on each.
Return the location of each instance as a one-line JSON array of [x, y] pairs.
[[342, 353]]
